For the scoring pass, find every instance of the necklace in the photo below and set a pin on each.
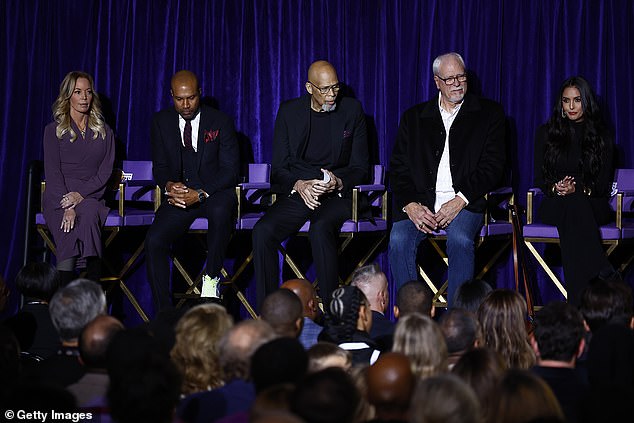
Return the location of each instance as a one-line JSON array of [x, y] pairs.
[[82, 130]]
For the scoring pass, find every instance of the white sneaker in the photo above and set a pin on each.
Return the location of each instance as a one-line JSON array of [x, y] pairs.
[[210, 287]]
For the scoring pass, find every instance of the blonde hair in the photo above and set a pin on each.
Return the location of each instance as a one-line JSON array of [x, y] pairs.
[[195, 352], [502, 315], [61, 108], [421, 339]]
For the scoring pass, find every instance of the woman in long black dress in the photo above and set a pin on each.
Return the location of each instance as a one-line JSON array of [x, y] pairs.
[[78, 160], [574, 168]]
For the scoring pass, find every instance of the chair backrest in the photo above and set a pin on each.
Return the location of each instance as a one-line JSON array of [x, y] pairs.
[[138, 181], [259, 172], [623, 181], [257, 186]]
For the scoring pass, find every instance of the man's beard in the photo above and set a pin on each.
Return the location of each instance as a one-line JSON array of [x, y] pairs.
[[328, 107]]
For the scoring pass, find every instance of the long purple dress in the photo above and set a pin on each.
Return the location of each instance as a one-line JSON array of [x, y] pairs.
[[84, 166]]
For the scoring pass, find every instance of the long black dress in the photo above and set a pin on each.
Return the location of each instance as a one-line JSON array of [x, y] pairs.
[[578, 215]]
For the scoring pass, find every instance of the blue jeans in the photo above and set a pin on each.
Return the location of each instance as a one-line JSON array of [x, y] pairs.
[[461, 233]]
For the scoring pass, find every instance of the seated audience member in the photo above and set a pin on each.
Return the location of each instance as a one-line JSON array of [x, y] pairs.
[[365, 411], [503, 319], [523, 397], [283, 310], [235, 350], [462, 332], [482, 369], [348, 323], [390, 385], [195, 352], [420, 339], [144, 383], [32, 325], [470, 294], [373, 283], [414, 297], [72, 307], [280, 361], [9, 365], [94, 340], [323, 355], [307, 295], [557, 341], [328, 396], [604, 302], [272, 404], [446, 399]]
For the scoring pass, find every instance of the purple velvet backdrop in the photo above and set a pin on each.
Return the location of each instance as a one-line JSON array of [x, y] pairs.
[[252, 54]]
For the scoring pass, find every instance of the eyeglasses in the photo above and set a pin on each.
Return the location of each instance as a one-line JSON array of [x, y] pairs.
[[325, 90], [452, 79]]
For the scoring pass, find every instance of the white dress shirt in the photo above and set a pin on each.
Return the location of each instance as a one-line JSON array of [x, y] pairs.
[[195, 124]]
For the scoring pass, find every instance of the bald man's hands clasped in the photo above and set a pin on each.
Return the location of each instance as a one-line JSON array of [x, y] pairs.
[[179, 195], [426, 221]]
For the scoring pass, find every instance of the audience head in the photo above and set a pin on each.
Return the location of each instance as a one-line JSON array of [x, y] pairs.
[[323, 86], [38, 281], [273, 405], [283, 310], [390, 384], [144, 383], [349, 311], [604, 302], [324, 354], [420, 339], [237, 346], [282, 360], [558, 333], [414, 297], [328, 396], [522, 397], [482, 369], [461, 330], [195, 352], [95, 338], [470, 294], [503, 318], [74, 305], [444, 398], [186, 92], [307, 295], [373, 283]]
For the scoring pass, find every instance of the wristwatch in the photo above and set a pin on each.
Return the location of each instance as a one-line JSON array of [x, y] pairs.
[[201, 195]]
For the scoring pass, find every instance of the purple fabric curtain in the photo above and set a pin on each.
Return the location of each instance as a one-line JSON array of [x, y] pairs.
[[251, 55]]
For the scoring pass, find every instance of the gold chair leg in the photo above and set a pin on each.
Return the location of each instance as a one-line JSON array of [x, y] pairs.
[[544, 266]]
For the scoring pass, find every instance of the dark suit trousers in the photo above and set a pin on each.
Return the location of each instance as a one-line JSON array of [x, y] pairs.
[[172, 222], [285, 218], [577, 218]]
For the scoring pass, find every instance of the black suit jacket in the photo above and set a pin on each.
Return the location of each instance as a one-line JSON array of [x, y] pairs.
[[476, 153], [349, 145], [218, 151]]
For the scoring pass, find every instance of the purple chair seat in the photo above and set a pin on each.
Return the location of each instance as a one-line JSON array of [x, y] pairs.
[[500, 228]]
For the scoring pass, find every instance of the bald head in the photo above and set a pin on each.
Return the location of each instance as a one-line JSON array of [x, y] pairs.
[[95, 338], [186, 94], [390, 384], [306, 293], [323, 86]]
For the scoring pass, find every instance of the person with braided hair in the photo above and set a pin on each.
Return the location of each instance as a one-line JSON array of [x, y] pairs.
[[348, 321], [574, 168]]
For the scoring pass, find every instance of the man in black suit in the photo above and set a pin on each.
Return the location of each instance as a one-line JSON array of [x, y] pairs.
[[320, 151], [196, 161], [449, 153]]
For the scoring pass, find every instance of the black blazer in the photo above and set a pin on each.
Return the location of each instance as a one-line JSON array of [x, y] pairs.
[[218, 151], [476, 153], [349, 145]]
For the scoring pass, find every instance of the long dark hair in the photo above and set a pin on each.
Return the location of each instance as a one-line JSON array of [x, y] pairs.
[[560, 134]]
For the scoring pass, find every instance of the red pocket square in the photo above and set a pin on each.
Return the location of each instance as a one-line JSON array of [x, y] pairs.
[[211, 135]]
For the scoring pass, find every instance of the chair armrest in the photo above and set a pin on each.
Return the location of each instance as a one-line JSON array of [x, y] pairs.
[[502, 191], [255, 185], [370, 187], [139, 183]]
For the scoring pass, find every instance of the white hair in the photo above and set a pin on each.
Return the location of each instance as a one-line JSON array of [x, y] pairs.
[[438, 60]]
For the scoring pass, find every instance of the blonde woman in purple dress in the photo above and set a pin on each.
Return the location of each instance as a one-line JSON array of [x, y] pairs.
[[78, 160]]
